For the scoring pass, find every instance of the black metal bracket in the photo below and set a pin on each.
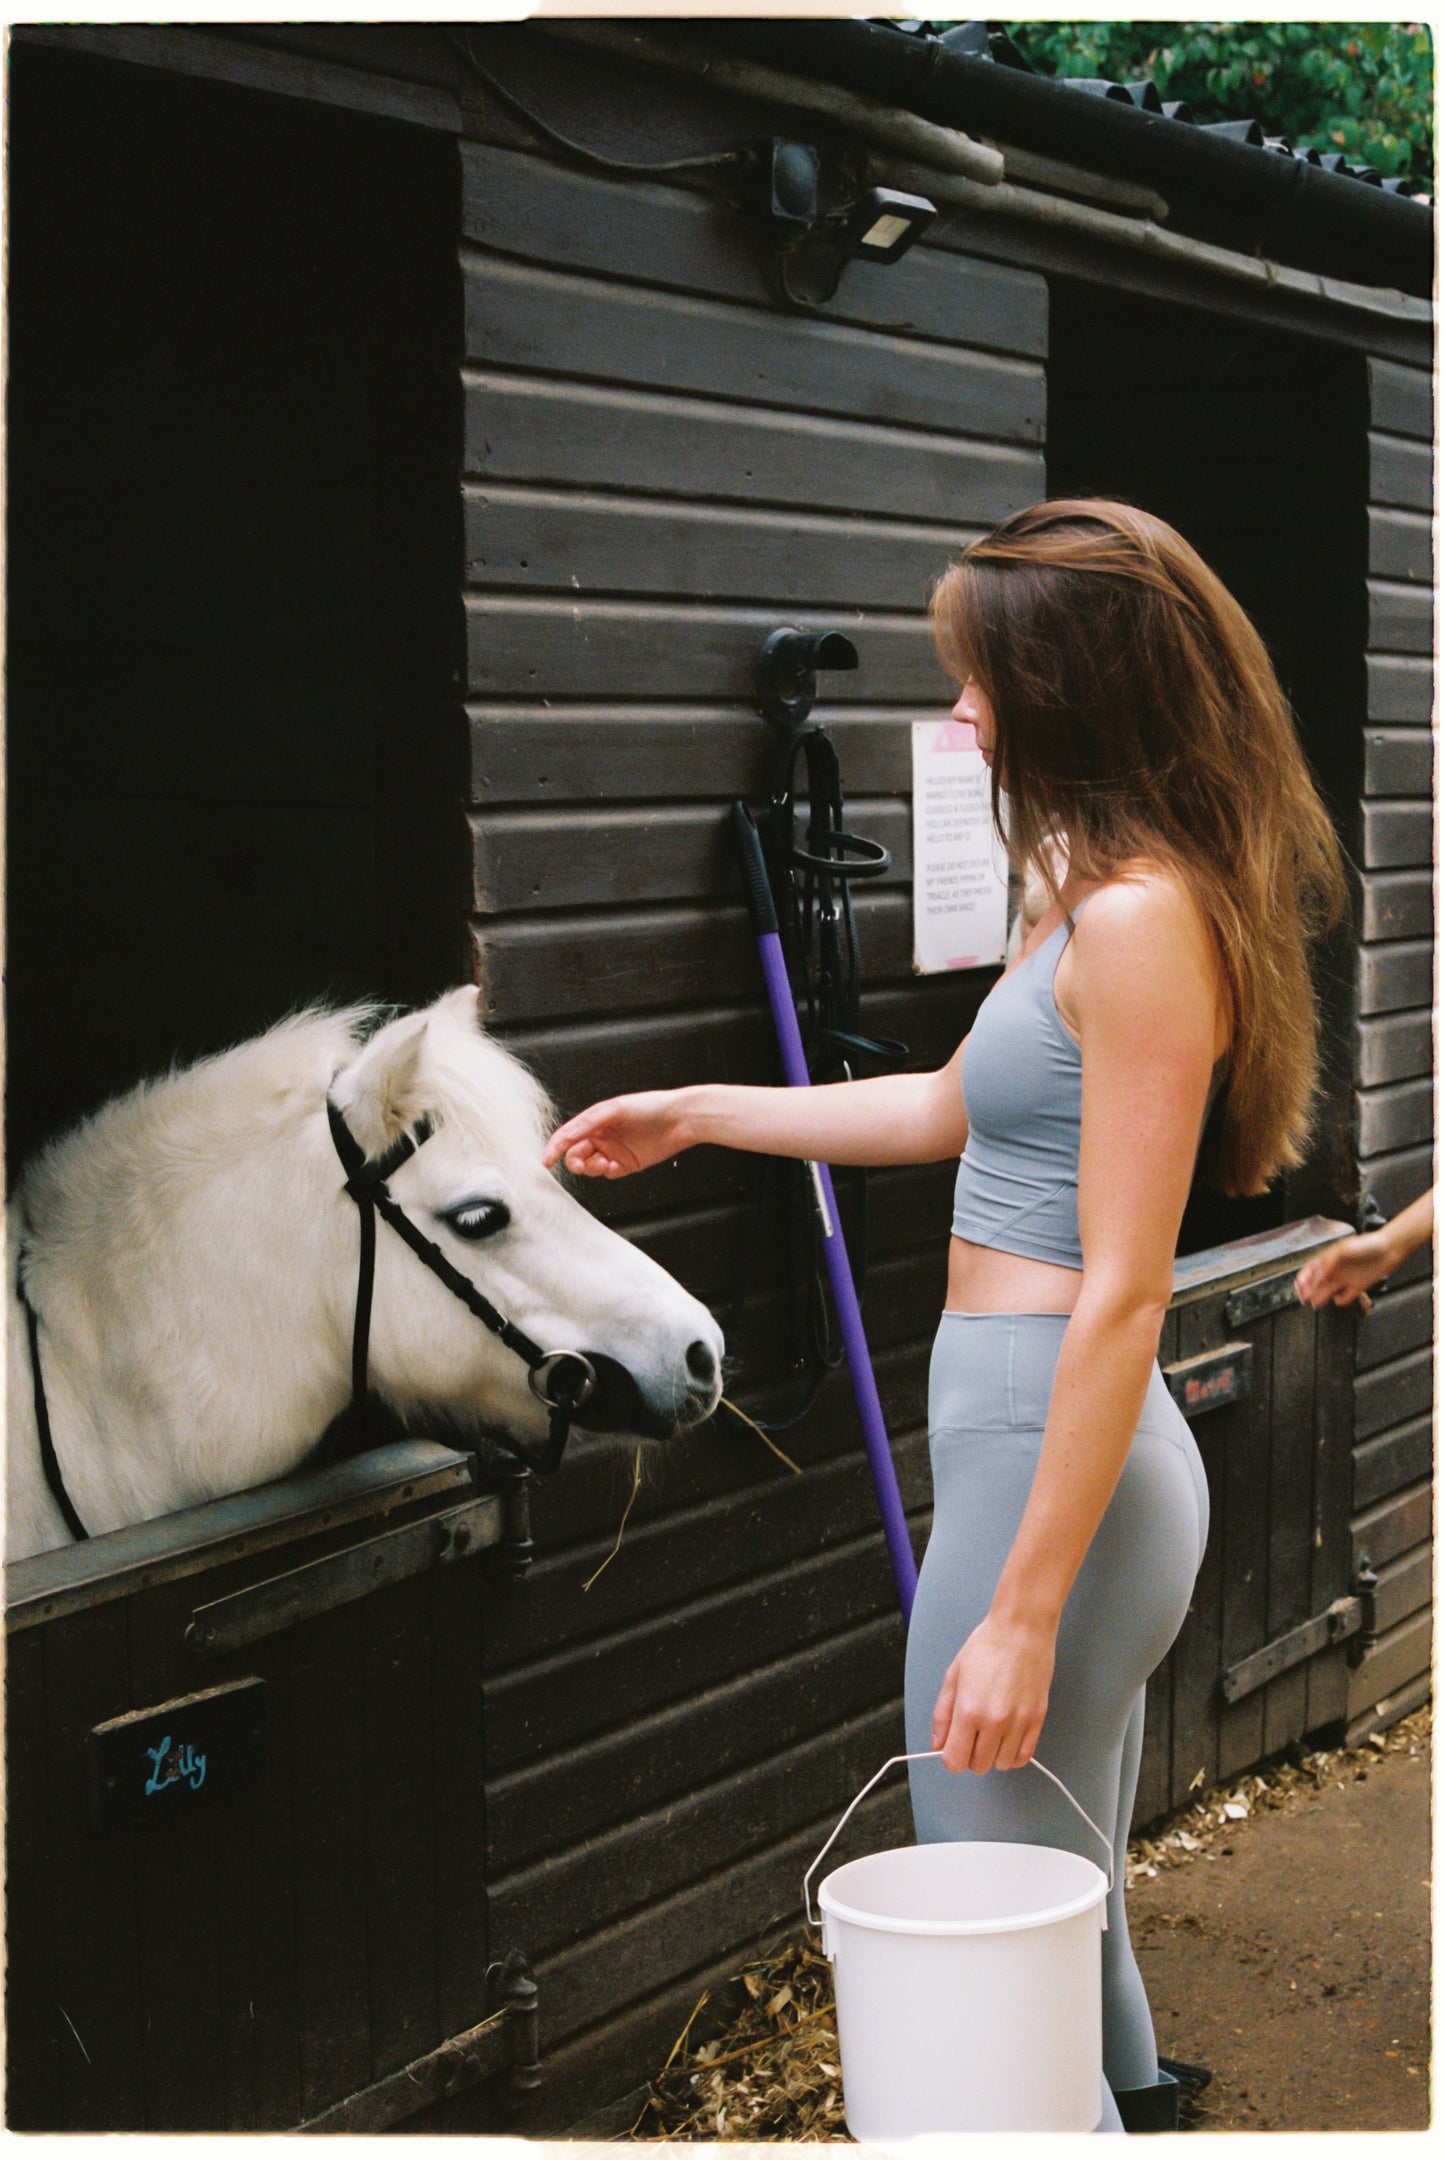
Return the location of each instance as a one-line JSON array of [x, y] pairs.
[[787, 680], [1367, 1582], [503, 2046], [1274, 1293], [1341, 1620], [513, 1990], [514, 1551]]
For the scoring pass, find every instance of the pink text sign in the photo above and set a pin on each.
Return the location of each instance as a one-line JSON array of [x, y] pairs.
[[960, 875]]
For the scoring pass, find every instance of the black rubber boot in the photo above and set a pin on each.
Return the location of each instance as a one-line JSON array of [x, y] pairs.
[[1191, 2078], [1149, 2108]]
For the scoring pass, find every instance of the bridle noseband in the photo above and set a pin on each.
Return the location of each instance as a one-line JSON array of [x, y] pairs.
[[561, 1380]]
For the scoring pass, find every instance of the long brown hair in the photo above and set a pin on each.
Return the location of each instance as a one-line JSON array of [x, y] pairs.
[[1139, 716]]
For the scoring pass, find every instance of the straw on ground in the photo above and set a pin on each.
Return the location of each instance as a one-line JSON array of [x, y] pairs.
[[770, 2071]]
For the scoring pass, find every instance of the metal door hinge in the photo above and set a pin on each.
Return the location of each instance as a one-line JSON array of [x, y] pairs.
[[503, 2046], [1341, 1620]]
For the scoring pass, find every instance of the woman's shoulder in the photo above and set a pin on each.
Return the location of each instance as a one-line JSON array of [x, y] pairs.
[[1142, 899], [1144, 937]]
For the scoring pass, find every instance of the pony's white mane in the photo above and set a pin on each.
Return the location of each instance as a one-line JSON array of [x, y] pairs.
[[236, 1099], [475, 1086]]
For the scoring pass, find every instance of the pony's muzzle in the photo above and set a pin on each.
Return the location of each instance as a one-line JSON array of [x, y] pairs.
[[619, 1405]]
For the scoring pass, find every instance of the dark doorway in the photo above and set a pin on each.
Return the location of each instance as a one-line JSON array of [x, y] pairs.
[[234, 549], [1253, 444]]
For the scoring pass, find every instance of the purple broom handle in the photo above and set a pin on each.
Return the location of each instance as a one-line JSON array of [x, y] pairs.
[[845, 1296]]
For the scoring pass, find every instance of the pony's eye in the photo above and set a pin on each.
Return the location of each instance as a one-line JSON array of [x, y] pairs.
[[477, 1218]]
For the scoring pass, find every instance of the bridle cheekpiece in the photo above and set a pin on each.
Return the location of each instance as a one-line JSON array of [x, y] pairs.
[[561, 1380]]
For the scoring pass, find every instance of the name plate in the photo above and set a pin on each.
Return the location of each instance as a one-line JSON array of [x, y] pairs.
[[164, 1763], [1212, 1379]]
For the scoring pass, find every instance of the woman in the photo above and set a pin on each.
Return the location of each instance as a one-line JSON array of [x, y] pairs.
[[1129, 713]]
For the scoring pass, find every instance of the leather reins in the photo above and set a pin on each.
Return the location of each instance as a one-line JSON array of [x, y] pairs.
[[561, 1380]]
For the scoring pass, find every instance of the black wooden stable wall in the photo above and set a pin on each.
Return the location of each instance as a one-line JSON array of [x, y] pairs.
[[234, 758], [1393, 1385], [293, 1934], [660, 468]]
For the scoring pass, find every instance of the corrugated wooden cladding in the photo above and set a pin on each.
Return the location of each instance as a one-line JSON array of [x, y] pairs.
[[1394, 1061], [660, 468]]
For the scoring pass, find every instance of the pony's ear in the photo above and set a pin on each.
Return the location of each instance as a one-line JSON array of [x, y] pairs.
[[379, 1092], [464, 1006]]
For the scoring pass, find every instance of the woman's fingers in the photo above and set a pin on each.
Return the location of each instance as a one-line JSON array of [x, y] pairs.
[[1017, 1746], [590, 1144], [615, 1138], [943, 1711], [575, 1134]]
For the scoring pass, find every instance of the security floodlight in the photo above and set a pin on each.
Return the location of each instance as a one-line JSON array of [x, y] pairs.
[[882, 224]]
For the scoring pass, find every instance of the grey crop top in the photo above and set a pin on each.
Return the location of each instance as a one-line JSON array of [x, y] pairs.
[[1018, 1180]]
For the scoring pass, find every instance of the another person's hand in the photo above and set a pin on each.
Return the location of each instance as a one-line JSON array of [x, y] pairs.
[[627, 1133], [990, 1709], [1344, 1273]]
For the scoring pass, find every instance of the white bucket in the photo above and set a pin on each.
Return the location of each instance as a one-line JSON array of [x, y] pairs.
[[968, 1985]]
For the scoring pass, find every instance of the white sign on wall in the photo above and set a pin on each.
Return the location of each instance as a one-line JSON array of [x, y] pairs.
[[960, 873]]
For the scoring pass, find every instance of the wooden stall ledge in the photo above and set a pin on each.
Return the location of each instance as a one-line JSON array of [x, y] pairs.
[[120, 1562]]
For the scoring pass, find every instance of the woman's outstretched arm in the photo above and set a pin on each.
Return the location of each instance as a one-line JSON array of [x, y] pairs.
[[897, 1118], [1146, 994]]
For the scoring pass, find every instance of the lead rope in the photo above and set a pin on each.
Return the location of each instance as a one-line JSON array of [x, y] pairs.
[[935, 1755]]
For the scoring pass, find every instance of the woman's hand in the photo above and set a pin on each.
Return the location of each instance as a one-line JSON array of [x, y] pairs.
[[628, 1133], [990, 1709]]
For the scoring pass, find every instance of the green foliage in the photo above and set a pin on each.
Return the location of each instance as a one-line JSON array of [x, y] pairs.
[[1364, 88]]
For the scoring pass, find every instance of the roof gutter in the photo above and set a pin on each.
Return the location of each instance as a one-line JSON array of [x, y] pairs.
[[1249, 200], [884, 126], [1143, 237]]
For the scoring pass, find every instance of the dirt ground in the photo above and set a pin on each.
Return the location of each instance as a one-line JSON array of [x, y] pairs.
[[1282, 1925], [1295, 1959]]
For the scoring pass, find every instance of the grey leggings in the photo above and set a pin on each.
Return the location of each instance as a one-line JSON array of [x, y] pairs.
[[989, 1388]]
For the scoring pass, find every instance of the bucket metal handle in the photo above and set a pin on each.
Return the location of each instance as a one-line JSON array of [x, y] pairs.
[[935, 1755]]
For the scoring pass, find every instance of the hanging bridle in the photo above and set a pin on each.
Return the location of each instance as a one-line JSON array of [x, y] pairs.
[[561, 1380]]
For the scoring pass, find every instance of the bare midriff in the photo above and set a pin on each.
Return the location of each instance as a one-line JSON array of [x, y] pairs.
[[982, 1280]]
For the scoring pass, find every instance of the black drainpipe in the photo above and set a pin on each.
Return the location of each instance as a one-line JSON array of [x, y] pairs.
[[1252, 200]]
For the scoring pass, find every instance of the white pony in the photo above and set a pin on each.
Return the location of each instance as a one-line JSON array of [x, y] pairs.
[[191, 1254]]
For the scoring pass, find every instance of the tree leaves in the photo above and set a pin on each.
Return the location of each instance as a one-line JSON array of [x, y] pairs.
[[1366, 89]]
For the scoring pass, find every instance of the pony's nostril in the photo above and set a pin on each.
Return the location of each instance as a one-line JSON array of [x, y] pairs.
[[702, 1363]]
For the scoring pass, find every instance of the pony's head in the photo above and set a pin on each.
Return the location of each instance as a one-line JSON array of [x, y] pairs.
[[478, 1190]]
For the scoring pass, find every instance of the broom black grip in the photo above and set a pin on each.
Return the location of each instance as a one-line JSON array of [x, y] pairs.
[[758, 892]]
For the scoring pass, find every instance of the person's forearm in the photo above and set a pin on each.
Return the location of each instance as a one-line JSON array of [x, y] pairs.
[[897, 1118], [1409, 1229], [1103, 1370]]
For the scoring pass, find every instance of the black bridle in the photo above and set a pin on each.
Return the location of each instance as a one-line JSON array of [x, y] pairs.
[[49, 1462], [561, 1380]]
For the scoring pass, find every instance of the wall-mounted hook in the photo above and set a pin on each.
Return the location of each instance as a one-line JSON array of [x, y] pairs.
[[787, 678]]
